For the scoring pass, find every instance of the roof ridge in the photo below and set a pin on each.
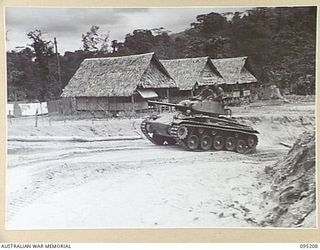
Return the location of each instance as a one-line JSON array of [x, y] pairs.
[[227, 58], [187, 58], [117, 57]]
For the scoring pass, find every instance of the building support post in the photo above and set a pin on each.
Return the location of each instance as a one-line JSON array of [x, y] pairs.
[[132, 102], [168, 97]]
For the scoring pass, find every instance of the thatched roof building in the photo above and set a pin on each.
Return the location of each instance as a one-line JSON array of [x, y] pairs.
[[118, 76], [188, 72], [234, 70]]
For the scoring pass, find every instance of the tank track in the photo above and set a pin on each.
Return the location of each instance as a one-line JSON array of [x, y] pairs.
[[155, 139], [221, 139], [145, 132]]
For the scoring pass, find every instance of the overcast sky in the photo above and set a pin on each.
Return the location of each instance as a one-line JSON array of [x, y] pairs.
[[67, 24]]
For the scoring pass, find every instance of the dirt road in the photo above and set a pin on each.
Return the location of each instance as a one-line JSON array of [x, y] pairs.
[[136, 184]]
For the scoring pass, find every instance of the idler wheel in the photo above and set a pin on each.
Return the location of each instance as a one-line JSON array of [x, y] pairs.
[[205, 142], [218, 142], [193, 142], [148, 128], [252, 141], [158, 139], [241, 146], [182, 132], [231, 143]]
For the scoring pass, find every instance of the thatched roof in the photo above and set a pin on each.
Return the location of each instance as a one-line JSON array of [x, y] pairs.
[[117, 76], [234, 70], [189, 71]]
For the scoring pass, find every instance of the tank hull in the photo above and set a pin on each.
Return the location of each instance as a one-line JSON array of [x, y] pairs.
[[201, 133]]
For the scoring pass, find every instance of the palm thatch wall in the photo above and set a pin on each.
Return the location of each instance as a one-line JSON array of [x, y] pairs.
[[111, 104]]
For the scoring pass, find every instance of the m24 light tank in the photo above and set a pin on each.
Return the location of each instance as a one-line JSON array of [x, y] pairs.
[[200, 126]]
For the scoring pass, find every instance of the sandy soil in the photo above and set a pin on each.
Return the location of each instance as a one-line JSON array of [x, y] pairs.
[[135, 184]]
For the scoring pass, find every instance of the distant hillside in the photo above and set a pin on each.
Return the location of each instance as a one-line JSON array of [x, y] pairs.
[[279, 42]]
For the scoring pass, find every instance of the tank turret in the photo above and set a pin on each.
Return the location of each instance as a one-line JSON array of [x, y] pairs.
[[200, 126], [193, 106]]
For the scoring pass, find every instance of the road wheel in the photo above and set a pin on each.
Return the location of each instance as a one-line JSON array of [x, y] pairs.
[[218, 142], [158, 139], [205, 142], [230, 143], [241, 146], [252, 141], [193, 142]]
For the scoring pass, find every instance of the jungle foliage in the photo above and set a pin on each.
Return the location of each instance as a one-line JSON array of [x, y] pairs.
[[280, 44]]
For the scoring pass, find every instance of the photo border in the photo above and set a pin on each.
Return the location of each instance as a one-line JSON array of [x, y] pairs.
[[215, 235]]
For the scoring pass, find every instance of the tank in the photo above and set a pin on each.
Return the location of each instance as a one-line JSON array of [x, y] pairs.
[[200, 126]]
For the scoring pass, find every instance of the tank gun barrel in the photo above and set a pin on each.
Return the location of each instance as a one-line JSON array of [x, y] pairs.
[[178, 107], [165, 104]]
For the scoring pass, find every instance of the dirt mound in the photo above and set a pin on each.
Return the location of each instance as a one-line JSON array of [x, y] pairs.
[[300, 98], [292, 199], [277, 129]]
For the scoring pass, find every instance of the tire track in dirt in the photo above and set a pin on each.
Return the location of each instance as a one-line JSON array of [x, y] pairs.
[[53, 177], [72, 154]]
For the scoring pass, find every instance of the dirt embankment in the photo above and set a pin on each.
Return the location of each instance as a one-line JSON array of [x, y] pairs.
[[21, 127], [292, 197], [279, 129]]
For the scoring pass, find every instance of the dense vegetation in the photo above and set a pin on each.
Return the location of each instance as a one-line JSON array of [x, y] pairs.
[[280, 43]]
